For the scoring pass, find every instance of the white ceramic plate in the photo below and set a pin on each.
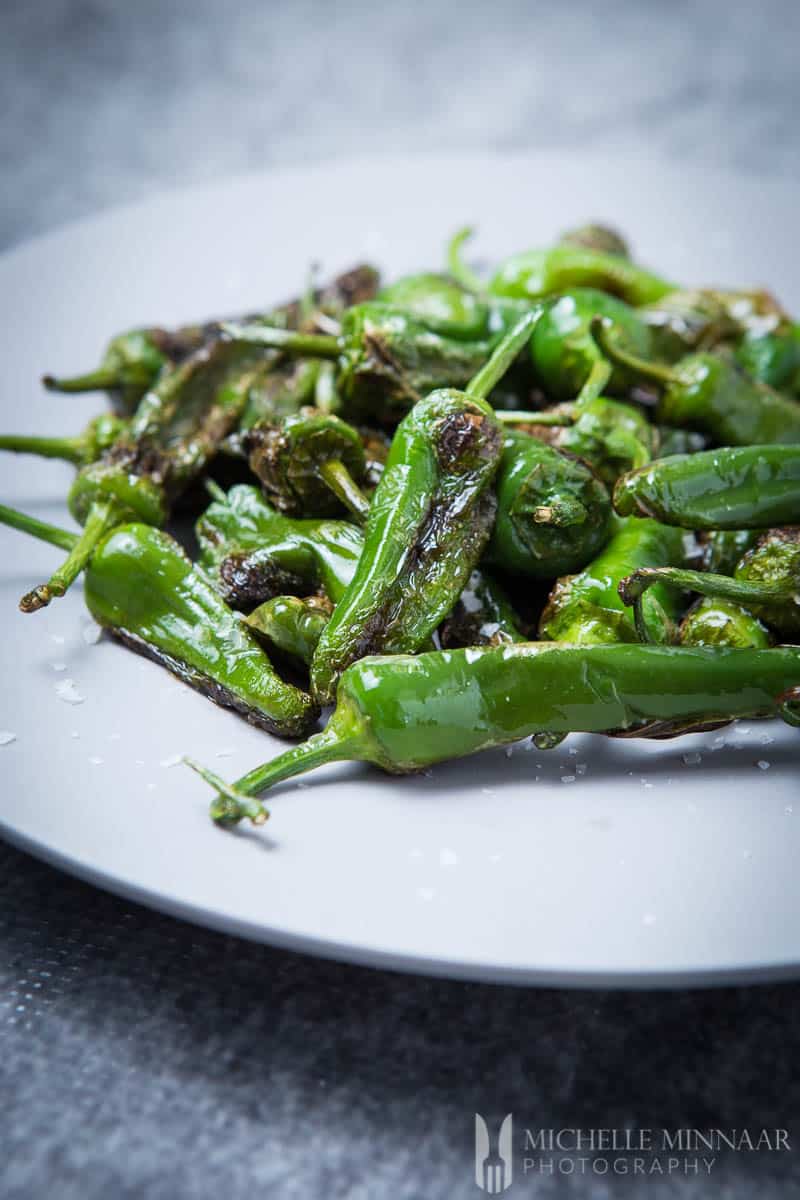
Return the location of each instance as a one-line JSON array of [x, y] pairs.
[[600, 862]]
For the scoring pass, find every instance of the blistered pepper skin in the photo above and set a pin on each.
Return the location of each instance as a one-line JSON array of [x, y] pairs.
[[742, 487], [429, 521], [247, 533]]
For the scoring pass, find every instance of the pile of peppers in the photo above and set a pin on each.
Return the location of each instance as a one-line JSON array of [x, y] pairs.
[[458, 510]]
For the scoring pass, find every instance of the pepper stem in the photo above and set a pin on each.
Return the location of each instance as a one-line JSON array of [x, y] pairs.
[[314, 345], [456, 265], [38, 529], [633, 588], [501, 359], [594, 383], [556, 416], [100, 380], [336, 475], [235, 801], [563, 512], [600, 329], [103, 516], [68, 448], [215, 491]]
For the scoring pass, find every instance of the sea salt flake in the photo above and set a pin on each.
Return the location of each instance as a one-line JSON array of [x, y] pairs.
[[580, 768], [7, 737], [426, 893], [693, 759], [59, 666], [763, 765], [448, 858], [568, 778], [68, 692], [95, 761], [91, 633]]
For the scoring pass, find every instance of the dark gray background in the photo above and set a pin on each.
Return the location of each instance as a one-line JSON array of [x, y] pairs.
[[142, 1057]]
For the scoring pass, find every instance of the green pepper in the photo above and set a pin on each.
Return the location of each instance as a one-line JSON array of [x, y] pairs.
[[597, 237], [173, 434], [711, 393], [678, 441], [251, 550], [537, 273], [563, 350], [386, 360], [142, 587], [440, 303], [553, 512], [404, 713], [721, 622], [773, 356], [430, 518], [723, 548], [131, 364], [482, 616], [133, 360], [293, 625], [98, 436], [766, 582], [612, 437], [586, 609], [312, 462], [684, 321], [738, 487]]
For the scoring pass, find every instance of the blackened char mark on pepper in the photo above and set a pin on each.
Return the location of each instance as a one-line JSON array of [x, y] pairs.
[[463, 439], [247, 580], [215, 692]]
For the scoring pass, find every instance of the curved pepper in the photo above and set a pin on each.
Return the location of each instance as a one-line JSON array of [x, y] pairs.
[[740, 487], [537, 273], [252, 550], [99, 435], [586, 609], [292, 624], [386, 359], [553, 512], [711, 393], [311, 462], [428, 523], [405, 713], [143, 588], [563, 350], [766, 583]]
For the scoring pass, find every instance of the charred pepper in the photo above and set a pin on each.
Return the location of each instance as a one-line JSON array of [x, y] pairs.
[[252, 551], [142, 587], [312, 463], [428, 523]]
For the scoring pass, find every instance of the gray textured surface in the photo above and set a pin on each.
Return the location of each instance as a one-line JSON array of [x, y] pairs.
[[141, 1057]]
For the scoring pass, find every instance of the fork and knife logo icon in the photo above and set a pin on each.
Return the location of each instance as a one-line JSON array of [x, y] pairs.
[[493, 1164]]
